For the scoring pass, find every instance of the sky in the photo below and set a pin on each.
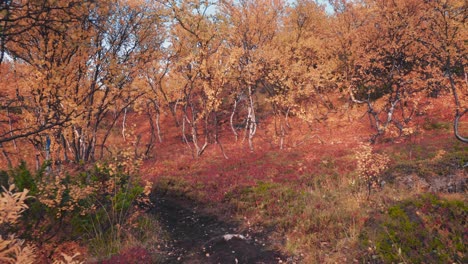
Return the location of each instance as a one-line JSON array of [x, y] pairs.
[[328, 7]]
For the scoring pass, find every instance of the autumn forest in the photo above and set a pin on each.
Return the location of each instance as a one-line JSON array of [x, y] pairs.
[[233, 131]]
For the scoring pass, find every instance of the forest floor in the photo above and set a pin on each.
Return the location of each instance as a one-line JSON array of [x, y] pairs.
[[304, 204], [195, 236]]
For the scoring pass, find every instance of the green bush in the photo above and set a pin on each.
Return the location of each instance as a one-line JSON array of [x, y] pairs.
[[92, 204], [23, 179]]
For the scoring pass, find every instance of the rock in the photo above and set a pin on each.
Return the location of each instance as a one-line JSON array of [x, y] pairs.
[[228, 237]]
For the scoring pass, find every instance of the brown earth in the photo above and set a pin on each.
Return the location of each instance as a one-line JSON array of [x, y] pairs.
[[199, 237]]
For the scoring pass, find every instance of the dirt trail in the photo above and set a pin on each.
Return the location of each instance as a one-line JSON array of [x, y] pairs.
[[196, 237]]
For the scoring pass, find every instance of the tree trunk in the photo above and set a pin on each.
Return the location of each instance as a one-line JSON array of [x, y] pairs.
[[458, 113], [231, 120], [11, 126], [123, 123], [5, 155], [65, 147], [150, 144], [252, 121], [216, 136]]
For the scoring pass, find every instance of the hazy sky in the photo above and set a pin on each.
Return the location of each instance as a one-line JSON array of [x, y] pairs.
[[328, 8]]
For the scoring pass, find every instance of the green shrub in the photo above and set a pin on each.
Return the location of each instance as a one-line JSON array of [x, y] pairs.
[[23, 179], [92, 204]]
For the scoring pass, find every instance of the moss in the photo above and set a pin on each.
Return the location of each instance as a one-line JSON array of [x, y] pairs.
[[398, 237], [430, 166], [436, 126], [424, 229], [263, 188]]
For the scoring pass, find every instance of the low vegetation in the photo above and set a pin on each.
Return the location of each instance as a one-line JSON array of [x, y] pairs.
[[425, 228], [335, 131], [102, 207], [326, 214]]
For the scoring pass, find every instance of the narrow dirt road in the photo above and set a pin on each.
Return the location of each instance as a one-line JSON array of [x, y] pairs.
[[196, 237]]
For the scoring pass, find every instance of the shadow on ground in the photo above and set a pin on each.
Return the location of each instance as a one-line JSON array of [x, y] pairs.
[[197, 237]]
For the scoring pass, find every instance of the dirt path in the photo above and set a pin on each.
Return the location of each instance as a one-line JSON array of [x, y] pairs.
[[196, 237]]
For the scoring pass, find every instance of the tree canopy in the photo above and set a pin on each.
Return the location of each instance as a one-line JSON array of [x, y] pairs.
[[73, 70]]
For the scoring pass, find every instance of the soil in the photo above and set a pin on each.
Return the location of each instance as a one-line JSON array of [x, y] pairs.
[[199, 237]]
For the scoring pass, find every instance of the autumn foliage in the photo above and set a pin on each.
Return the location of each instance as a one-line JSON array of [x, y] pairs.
[[91, 90], [73, 71]]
